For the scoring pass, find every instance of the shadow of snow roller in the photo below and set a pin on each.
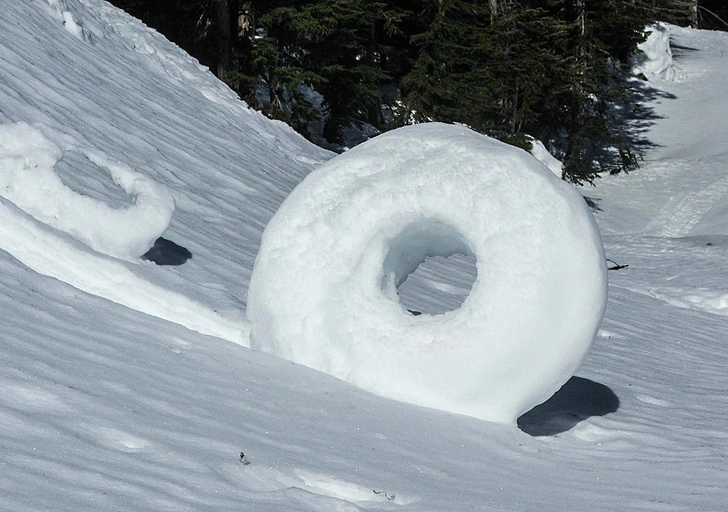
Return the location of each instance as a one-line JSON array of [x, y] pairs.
[[323, 292], [576, 401], [166, 252]]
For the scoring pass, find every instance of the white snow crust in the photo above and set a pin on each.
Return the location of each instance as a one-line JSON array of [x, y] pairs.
[[324, 287], [125, 385]]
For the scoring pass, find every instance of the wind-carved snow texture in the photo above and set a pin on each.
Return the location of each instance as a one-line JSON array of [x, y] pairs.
[[124, 104], [711, 301], [686, 209], [47, 253], [324, 287]]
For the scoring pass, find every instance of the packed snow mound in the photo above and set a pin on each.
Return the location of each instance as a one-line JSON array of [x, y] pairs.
[[655, 59], [28, 179], [543, 155], [324, 287]]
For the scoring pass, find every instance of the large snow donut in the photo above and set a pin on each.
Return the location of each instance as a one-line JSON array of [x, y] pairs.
[[323, 289]]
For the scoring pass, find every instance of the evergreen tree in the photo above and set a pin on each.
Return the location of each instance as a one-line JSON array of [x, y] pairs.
[[712, 14], [337, 47], [551, 68], [520, 50], [604, 35], [582, 114], [554, 69], [445, 83], [707, 14], [679, 12]]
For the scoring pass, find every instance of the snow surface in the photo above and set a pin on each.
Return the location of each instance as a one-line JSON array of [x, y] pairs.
[[105, 406], [324, 287]]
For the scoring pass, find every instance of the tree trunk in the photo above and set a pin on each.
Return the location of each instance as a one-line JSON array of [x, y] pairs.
[[581, 16], [493, 4], [514, 110], [224, 39], [693, 13]]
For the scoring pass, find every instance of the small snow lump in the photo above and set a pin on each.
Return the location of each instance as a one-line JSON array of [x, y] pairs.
[[28, 179]]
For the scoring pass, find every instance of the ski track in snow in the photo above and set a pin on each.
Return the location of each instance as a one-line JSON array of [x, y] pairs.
[[684, 210], [105, 408]]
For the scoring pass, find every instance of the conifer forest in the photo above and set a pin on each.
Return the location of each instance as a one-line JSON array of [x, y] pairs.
[[556, 70]]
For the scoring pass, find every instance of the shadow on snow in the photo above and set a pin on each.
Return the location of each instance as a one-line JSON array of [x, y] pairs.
[[166, 252], [637, 123], [576, 401]]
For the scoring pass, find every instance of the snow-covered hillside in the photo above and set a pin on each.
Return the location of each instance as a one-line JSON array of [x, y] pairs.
[[125, 385], [90, 79]]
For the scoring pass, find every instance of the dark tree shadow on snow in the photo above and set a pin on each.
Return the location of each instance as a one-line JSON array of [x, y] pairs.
[[637, 123], [680, 50], [593, 203], [166, 252], [576, 401]]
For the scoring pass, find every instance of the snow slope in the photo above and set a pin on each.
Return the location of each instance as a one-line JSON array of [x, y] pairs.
[[106, 406], [89, 77]]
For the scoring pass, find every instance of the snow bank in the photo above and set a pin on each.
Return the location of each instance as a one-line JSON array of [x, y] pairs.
[[48, 254], [324, 287], [28, 179], [655, 60], [543, 155], [701, 299]]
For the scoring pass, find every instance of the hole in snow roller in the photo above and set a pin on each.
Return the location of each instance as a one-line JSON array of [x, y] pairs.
[[430, 268], [323, 291]]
